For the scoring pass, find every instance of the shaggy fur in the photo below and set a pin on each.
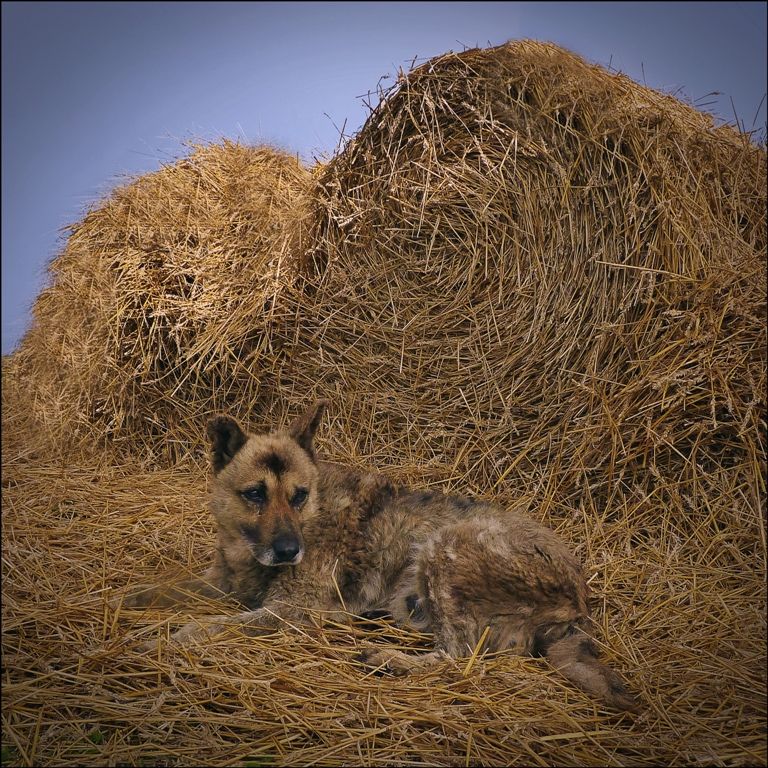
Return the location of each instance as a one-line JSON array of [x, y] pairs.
[[295, 534]]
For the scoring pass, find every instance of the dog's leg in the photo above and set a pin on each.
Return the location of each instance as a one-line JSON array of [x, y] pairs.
[[282, 608], [253, 623], [399, 663], [575, 656], [482, 586], [174, 593]]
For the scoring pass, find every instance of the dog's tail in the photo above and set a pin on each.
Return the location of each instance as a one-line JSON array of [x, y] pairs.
[[575, 656]]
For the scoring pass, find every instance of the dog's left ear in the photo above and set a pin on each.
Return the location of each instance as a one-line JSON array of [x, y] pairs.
[[303, 428]]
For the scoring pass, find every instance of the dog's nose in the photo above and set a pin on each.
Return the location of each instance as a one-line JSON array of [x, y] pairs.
[[285, 548]]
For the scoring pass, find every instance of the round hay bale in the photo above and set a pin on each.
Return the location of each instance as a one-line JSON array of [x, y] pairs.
[[160, 306], [534, 274]]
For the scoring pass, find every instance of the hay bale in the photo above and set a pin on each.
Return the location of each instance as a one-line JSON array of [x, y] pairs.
[[160, 305], [537, 272], [524, 277]]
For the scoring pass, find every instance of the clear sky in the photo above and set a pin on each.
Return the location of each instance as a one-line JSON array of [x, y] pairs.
[[93, 91]]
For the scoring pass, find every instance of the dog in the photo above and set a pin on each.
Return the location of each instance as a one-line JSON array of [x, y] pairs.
[[296, 534]]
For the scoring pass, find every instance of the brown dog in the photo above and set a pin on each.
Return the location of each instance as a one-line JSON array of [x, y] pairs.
[[297, 534]]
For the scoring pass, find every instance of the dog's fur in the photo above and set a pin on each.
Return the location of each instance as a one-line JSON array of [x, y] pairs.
[[295, 534]]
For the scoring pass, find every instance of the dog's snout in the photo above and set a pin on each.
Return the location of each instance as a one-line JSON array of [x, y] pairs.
[[286, 548]]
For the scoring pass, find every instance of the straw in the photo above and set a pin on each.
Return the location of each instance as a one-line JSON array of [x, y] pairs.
[[525, 278]]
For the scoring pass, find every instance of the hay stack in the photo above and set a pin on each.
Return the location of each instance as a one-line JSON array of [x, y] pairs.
[[524, 277], [541, 273], [159, 307], [510, 229]]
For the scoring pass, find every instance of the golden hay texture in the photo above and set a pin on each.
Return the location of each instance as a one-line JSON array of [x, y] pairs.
[[525, 277]]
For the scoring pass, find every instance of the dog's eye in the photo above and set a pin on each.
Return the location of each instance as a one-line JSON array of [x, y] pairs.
[[257, 495], [299, 497]]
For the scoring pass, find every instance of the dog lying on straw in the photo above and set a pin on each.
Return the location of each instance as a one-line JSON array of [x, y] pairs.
[[297, 533]]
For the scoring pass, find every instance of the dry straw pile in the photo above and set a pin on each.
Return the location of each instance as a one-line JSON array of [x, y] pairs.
[[161, 298], [524, 277]]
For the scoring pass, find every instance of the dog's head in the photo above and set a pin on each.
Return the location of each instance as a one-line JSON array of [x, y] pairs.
[[265, 486]]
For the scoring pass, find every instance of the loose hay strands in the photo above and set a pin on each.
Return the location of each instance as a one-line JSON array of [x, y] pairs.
[[76, 690], [525, 277]]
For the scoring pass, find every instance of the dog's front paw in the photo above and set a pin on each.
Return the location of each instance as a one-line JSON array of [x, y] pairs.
[[384, 662], [376, 660], [149, 646], [190, 634], [197, 633]]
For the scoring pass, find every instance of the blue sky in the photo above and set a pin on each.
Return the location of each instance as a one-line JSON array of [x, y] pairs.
[[94, 91]]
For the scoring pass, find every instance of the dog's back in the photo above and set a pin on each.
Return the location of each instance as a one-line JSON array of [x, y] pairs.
[[390, 541], [464, 569]]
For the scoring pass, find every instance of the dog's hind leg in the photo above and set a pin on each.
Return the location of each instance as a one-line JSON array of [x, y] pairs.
[[485, 585], [428, 598], [575, 656]]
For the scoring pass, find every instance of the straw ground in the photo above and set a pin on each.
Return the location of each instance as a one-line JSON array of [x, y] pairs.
[[525, 277]]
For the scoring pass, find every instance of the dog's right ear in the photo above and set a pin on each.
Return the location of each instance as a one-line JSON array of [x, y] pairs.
[[303, 428], [226, 440]]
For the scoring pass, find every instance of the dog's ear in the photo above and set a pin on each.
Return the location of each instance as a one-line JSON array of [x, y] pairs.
[[226, 440], [303, 428]]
